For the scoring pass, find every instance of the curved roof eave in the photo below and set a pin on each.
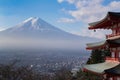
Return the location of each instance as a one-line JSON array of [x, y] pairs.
[[101, 67], [96, 25], [96, 45]]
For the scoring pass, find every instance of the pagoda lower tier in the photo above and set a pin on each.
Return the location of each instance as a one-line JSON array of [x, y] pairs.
[[109, 43], [110, 63], [100, 67]]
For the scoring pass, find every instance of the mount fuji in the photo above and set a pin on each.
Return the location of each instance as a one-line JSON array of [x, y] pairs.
[[33, 24], [35, 33], [36, 27]]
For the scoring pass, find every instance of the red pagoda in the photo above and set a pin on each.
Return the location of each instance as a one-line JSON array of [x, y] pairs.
[[110, 69]]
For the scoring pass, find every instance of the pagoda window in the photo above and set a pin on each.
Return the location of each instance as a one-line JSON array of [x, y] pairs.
[[118, 48], [114, 26], [114, 31], [111, 78], [118, 24], [113, 54], [113, 49], [119, 54], [118, 78], [118, 31], [105, 76]]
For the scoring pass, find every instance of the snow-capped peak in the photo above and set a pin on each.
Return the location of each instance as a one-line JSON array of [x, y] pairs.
[[31, 19], [33, 24]]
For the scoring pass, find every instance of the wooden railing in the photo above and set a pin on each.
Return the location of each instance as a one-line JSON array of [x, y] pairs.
[[112, 59], [112, 35]]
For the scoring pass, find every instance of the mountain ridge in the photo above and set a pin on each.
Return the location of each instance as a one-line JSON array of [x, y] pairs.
[[38, 33]]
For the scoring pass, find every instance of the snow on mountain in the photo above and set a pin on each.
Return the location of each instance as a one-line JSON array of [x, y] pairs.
[[37, 33], [36, 27], [33, 24]]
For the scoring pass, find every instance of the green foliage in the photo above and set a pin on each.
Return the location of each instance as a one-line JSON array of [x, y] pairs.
[[98, 56], [81, 75], [13, 72], [63, 74], [8, 72], [107, 53]]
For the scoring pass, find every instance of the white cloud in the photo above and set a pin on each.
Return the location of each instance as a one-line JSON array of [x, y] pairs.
[[66, 20], [91, 10], [97, 34], [2, 28], [60, 1], [100, 34], [69, 1]]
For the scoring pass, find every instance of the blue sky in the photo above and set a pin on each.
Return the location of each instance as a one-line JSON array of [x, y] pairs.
[[70, 15]]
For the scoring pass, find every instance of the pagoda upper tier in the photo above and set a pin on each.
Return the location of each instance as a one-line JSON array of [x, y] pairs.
[[111, 21]]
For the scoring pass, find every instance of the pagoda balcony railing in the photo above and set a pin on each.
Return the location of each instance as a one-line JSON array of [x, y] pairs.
[[112, 35], [112, 59]]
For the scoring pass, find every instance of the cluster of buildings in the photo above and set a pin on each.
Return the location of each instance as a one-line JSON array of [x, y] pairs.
[[53, 63]]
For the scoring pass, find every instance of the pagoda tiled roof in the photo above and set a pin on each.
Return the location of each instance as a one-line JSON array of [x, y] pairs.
[[114, 71], [96, 45], [100, 68], [112, 42], [106, 23]]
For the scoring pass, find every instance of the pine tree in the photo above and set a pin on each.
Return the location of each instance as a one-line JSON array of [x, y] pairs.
[[98, 56]]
